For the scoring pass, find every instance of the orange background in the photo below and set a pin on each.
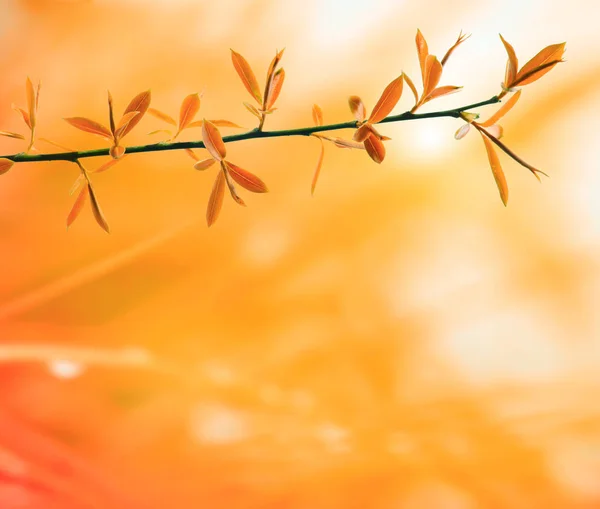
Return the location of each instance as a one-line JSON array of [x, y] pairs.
[[398, 340]]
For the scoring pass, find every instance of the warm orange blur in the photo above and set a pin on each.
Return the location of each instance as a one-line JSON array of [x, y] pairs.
[[398, 340]]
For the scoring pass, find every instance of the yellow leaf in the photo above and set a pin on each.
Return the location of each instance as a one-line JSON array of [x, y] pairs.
[[511, 66], [357, 108], [496, 169], [215, 202], [389, 98], [30, 101], [5, 165], [213, 141], [24, 114], [89, 126], [12, 135], [192, 154], [78, 205], [189, 107], [163, 116], [423, 51], [317, 115], [204, 164], [252, 110], [411, 85], [246, 179], [375, 149], [318, 168], [247, 76], [506, 107], [218, 123]]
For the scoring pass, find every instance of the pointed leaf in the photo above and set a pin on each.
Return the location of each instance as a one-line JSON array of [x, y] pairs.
[[535, 74], [440, 91], [167, 131], [213, 141], [24, 114], [548, 54], [192, 154], [433, 73], [318, 168], [141, 103], [109, 164], [77, 184], [253, 110], [423, 51], [461, 38], [317, 115], [89, 126], [189, 108], [362, 133], [375, 149], [96, 210], [236, 197], [30, 101], [66, 149], [247, 76], [462, 131], [78, 205], [411, 85], [246, 179], [124, 123], [204, 164], [341, 143], [388, 100], [506, 107], [496, 169], [215, 202], [357, 108], [270, 75], [218, 123], [162, 116], [5, 165], [12, 135], [512, 65], [111, 114], [275, 88]]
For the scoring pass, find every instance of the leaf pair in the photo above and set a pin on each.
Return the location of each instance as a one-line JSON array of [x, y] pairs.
[[29, 115], [228, 174], [431, 72], [366, 133], [491, 133], [84, 184], [533, 70], [131, 117], [275, 78]]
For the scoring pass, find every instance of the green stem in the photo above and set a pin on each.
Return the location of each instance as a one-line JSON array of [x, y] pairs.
[[255, 133]]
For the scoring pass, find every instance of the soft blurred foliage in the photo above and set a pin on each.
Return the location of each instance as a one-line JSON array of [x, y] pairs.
[[398, 340]]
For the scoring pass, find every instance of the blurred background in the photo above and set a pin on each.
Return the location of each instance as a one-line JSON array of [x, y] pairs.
[[398, 340]]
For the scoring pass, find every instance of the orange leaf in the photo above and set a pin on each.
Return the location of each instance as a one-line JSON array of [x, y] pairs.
[[89, 126], [270, 75], [375, 149], [189, 107], [116, 152], [246, 179], [341, 143], [77, 184], [506, 107], [204, 164], [218, 123], [78, 205], [215, 202], [433, 73], [213, 141], [362, 133], [30, 101], [423, 51], [440, 91], [551, 53], [163, 116], [108, 164], [317, 115], [511, 66], [192, 154], [24, 114], [496, 131], [236, 197], [124, 123], [461, 38], [390, 97], [160, 131], [318, 168], [141, 103], [247, 75], [66, 149], [357, 108], [111, 115], [12, 135], [496, 169], [252, 110], [411, 85], [5, 165], [275, 88], [96, 210]]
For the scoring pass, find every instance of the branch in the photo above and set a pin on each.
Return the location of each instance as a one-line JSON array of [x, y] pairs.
[[255, 133]]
